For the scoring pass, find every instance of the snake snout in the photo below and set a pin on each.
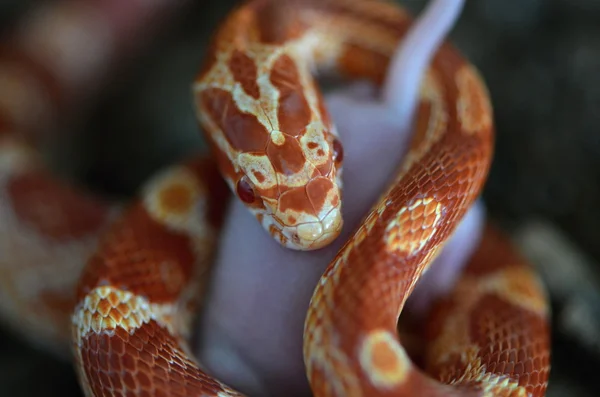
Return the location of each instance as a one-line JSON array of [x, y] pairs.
[[318, 234]]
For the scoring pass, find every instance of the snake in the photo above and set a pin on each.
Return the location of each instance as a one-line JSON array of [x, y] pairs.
[[133, 275]]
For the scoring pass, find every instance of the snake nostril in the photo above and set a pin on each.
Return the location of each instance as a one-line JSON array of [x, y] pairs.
[[295, 238]]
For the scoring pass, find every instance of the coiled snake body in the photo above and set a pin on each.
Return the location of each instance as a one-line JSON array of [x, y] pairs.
[[276, 147]]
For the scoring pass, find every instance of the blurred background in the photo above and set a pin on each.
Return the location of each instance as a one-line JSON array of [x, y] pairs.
[[540, 60]]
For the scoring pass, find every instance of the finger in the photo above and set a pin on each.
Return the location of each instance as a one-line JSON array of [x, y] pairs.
[[405, 72]]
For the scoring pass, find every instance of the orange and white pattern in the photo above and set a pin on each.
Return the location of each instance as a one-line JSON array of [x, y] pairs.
[[141, 269]]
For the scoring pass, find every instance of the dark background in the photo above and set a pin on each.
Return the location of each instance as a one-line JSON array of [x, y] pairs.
[[541, 60]]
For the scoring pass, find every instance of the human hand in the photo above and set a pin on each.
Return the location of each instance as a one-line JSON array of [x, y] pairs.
[[251, 333]]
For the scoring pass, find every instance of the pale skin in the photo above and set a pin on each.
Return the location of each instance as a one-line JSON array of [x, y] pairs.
[[251, 333]]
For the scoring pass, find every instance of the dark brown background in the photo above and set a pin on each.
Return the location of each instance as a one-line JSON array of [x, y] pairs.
[[541, 60]]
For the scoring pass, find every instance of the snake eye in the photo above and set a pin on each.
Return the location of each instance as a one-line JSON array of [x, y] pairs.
[[338, 151], [245, 191]]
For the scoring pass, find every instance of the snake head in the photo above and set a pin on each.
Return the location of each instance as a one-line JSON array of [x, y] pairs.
[[294, 188], [290, 180], [276, 145]]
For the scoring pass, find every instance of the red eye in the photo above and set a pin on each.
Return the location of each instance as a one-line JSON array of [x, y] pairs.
[[338, 151], [244, 191]]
